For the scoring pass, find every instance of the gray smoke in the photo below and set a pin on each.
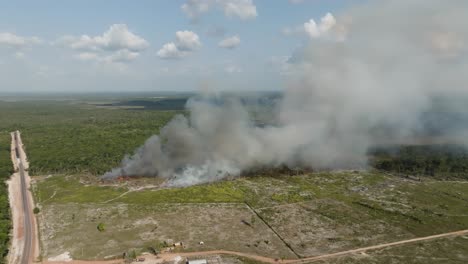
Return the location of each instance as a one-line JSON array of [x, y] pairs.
[[368, 82]]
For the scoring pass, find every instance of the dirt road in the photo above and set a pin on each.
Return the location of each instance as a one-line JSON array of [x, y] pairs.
[[24, 247], [172, 256]]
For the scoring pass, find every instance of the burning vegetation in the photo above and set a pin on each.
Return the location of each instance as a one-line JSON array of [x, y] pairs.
[[373, 84]]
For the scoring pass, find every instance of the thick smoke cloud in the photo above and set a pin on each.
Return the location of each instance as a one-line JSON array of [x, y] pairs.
[[372, 86]]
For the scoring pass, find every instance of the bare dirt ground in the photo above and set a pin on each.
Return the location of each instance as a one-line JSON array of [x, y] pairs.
[[14, 193]]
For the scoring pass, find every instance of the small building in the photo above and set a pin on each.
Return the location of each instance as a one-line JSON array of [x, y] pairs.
[[198, 261]]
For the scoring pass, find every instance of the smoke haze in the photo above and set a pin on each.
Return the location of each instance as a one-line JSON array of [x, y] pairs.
[[369, 81]]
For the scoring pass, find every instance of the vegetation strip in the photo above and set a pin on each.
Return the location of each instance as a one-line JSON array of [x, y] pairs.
[[5, 171]]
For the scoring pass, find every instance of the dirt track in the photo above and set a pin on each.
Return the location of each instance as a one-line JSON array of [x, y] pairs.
[[172, 256]]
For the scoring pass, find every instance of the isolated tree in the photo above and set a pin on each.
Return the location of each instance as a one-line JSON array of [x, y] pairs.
[[101, 227]]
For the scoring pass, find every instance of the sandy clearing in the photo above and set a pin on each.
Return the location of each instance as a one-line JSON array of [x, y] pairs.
[[17, 241], [64, 257], [14, 195]]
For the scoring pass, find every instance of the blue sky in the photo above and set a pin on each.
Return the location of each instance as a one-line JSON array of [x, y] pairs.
[[42, 46]]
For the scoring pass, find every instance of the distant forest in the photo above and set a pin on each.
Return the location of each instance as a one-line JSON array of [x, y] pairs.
[[71, 137], [440, 161]]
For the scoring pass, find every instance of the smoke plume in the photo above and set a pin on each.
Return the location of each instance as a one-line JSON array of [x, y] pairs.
[[392, 61]]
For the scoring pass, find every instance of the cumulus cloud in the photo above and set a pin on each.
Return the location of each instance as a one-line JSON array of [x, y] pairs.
[[14, 41], [170, 51], [187, 40], [185, 43], [194, 8], [243, 9], [230, 42], [123, 56], [326, 28], [120, 56], [117, 44], [316, 30], [117, 37]]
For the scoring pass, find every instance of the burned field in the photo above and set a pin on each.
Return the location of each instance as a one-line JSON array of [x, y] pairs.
[[283, 216]]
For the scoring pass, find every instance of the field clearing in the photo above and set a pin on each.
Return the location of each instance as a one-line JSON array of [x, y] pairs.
[[448, 250], [327, 226], [315, 213], [73, 228]]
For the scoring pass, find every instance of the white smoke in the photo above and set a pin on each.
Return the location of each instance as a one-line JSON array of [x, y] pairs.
[[372, 87]]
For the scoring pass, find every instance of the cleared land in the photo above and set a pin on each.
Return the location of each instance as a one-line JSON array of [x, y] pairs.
[[312, 214], [449, 250], [74, 229]]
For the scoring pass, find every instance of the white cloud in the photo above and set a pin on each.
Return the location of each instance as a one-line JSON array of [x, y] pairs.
[[315, 30], [326, 28], [230, 42], [170, 51], [117, 37], [194, 8], [187, 40], [185, 43], [117, 44], [243, 9], [14, 41], [121, 56]]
